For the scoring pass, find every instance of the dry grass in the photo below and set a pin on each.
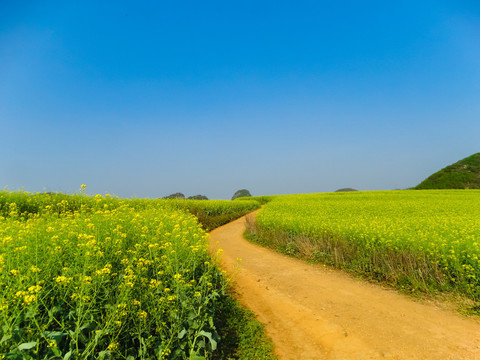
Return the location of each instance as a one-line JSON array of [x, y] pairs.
[[404, 270]]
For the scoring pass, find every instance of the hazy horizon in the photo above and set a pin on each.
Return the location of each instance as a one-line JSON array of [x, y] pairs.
[[154, 98]]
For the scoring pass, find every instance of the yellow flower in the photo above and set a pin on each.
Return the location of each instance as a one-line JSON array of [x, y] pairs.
[[3, 306], [106, 270], [142, 315], [112, 346], [28, 299], [62, 280], [34, 289]]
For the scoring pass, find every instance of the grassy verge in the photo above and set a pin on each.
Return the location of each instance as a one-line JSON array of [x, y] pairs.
[[243, 337]]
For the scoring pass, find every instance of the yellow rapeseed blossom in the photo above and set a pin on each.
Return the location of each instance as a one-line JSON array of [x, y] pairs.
[[142, 315], [30, 298], [63, 280], [34, 289], [35, 269], [113, 346], [107, 269]]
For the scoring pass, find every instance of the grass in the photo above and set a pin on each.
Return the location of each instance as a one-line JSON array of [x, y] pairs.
[[244, 336]]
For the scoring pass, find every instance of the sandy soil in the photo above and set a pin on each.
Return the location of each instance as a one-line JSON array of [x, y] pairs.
[[312, 312]]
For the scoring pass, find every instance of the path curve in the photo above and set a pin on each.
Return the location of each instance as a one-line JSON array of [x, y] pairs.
[[312, 312]]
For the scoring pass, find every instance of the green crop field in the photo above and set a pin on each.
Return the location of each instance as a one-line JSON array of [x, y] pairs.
[[412, 239], [104, 278]]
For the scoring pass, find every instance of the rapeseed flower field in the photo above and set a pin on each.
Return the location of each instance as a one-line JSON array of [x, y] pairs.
[[413, 239], [103, 278]]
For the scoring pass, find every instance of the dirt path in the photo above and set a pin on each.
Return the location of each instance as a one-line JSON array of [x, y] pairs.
[[311, 312]]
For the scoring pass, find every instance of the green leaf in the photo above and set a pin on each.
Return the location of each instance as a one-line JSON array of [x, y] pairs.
[[55, 335], [104, 354], [56, 351], [67, 355], [85, 326], [30, 314], [195, 356], [182, 333], [27, 346], [15, 355], [5, 338], [208, 335]]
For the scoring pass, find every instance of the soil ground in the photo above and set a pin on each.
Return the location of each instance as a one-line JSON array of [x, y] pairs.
[[314, 312]]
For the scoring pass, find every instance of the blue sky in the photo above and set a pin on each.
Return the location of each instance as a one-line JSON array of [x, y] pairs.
[[148, 98]]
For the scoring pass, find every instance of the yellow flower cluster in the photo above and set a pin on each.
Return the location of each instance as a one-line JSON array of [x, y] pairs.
[[63, 280], [107, 269]]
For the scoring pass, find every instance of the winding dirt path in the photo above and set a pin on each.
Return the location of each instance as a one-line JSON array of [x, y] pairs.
[[311, 312]]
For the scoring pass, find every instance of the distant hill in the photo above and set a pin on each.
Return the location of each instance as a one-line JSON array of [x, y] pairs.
[[177, 195], [345, 189], [464, 174], [197, 197], [241, 193]]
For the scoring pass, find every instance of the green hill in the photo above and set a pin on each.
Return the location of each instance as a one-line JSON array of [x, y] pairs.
[[464, 174]]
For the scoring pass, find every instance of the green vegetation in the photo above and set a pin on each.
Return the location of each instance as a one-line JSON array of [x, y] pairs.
[[260, 199], [210, 213], [464, 174], [241, 193], [244, 336], [197, 197], [177, 195], [104, 278], [414, 240]]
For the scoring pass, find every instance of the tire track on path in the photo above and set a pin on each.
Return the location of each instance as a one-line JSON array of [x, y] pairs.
[[312, 312]]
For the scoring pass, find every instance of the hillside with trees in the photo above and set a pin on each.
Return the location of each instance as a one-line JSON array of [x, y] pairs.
[[464, 174]]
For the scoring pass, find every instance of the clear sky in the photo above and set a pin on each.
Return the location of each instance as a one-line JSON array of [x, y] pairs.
[[148, 98]]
